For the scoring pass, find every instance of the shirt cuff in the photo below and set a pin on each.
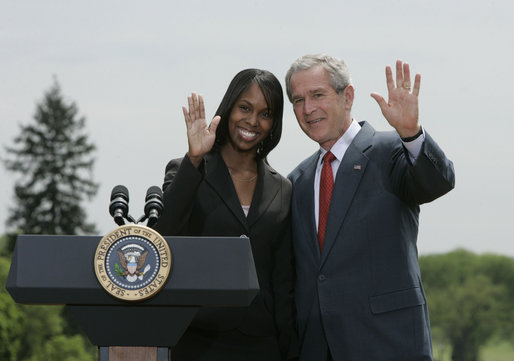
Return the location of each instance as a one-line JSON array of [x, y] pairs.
[[414, 146]]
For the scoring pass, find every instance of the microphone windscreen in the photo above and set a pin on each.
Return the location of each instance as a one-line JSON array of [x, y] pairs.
[[154, 191], [120, 190]]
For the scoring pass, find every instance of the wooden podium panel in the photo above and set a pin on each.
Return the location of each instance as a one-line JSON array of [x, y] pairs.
[[133, 353]]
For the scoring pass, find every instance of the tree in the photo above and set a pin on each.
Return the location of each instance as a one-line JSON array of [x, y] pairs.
[[12, 319], [54, 160], [63, 348], [467, 314], [500, 270], [470, 299], [35, 332]]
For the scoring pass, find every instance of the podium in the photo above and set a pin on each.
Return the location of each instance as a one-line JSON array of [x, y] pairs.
[[206, 272]]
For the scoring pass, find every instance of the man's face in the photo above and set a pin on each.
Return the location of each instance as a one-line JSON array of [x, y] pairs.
[[323, 114]]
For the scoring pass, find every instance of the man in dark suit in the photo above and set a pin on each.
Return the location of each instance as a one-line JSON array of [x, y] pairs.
[[359, 294]]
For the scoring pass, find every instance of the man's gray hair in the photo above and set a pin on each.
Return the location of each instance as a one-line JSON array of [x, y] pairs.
[[337, 70]]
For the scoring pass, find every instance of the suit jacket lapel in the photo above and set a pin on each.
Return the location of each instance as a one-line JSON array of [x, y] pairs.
[[304, 194], [349, 175], [218, 177], [268, 185]]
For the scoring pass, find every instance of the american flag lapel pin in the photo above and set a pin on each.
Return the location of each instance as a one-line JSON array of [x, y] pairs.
[[357, 167]]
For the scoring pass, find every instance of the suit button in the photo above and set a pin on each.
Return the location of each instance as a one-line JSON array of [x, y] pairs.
[[322, 277]]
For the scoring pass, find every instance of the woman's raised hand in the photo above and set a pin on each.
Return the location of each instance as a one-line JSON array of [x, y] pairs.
[[200, 136]]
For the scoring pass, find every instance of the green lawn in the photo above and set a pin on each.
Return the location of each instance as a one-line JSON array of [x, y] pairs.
[[499, 351], [494, 351]]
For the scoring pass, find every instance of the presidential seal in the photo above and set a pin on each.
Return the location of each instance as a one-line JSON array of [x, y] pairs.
[[132, 262]]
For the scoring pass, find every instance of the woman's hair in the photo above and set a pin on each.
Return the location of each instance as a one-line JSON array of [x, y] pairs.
[[272, 91], [337, 70]]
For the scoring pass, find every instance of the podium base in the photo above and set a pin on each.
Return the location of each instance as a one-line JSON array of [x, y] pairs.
[[133, 353], [133, 325]]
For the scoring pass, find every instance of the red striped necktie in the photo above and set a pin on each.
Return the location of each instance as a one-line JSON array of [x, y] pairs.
[[325, 193]]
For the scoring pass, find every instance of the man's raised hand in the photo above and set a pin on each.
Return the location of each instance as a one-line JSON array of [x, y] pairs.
[[401, 109]]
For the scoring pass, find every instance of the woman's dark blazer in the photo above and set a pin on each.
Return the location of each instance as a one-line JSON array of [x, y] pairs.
[[203, 202]]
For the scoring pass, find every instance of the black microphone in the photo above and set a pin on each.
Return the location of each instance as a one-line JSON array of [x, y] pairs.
[[119, 204], [153, 205]]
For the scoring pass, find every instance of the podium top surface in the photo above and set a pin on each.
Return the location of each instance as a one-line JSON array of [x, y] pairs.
[[207, 271]]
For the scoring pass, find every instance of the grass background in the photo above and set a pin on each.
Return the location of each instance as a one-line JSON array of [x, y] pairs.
[[493, 351]]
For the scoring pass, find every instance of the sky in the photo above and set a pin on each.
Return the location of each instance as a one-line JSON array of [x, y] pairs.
[[129, 66]]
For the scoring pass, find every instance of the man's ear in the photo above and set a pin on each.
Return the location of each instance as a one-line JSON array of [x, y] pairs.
[[348, 94]]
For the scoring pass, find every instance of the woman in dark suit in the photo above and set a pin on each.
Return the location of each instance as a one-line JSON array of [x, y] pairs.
[[224, 186]]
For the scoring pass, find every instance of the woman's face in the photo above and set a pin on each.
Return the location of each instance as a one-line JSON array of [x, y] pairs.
[[250, 120]]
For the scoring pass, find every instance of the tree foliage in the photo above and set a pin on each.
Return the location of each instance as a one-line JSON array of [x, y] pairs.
[[63, 348], [470, 299], [12, 319], [54, 159], [36, 333]]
